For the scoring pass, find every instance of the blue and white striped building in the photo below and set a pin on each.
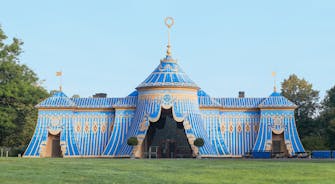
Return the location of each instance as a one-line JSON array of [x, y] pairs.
[[100, 127]]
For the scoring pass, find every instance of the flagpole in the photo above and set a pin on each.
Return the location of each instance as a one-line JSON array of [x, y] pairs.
[[60, 74], [274, 75], [60, 82]]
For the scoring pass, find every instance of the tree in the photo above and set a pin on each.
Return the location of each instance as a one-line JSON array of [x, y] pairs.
[[315, 143], [327, 117], [329, 101], [19, 93], [301, 92]]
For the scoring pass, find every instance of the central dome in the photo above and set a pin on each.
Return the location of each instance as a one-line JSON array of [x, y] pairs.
[[168, 74]]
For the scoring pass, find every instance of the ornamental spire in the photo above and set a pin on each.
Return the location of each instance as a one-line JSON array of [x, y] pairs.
[[169, 23]]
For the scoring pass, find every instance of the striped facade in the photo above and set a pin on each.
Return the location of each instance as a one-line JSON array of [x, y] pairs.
[[100, 127]]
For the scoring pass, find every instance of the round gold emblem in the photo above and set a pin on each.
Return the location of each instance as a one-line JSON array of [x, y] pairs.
[[169, 22]]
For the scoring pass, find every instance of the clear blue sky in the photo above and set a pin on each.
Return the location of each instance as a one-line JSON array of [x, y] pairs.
[[224, 46]]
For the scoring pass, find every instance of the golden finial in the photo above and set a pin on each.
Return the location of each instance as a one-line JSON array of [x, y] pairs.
[[274, 74], [169, 23]]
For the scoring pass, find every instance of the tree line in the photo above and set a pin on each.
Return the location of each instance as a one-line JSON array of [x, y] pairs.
[[315, 119], [20, 92]]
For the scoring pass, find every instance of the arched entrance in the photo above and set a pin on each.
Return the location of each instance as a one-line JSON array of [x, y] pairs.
[[166, 138], [278, 145], [53, 148]]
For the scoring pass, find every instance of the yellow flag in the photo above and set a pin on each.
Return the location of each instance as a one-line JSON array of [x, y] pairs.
[[59, 74], [274, 74]]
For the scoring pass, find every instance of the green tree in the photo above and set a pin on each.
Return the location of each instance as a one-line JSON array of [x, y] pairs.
[[19, 93], [329, 101], [314, 142], [327, 117], [301, 92]]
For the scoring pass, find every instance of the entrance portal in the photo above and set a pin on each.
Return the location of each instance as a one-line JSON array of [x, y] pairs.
[[53, 148], [166, 138], [278, 145]]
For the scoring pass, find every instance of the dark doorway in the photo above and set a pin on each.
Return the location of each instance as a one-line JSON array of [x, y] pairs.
[[53, 148], [278, 145], [166, 138]]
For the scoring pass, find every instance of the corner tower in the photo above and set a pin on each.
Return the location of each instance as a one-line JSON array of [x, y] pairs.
[[277, 130]]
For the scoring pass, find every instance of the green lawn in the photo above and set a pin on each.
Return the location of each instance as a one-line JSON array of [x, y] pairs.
[[15, 170]]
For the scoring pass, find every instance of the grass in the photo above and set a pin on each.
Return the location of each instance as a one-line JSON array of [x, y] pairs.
[[15, 170]]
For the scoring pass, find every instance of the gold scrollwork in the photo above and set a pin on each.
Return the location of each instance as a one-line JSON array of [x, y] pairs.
[[278, 125], [143, 125]]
